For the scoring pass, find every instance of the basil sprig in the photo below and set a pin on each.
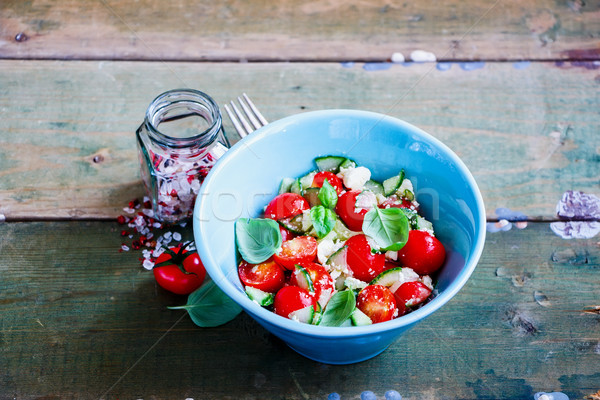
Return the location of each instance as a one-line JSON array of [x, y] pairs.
[[209, 306], [323, 220], [257, 239], [388, 227], [328, 195], [339, 308]]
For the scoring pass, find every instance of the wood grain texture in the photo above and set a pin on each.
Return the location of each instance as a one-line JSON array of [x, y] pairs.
[[528, 132], [78, 319], [299, 30]]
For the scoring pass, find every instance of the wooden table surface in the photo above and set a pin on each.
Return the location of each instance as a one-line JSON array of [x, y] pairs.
[[515, 92]]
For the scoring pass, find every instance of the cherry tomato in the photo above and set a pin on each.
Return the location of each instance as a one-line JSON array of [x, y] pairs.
[[286, 234], [412, 293], [365, 264], [322, 281], [346, 209], [298, 250], [331, 178], [179, 271], [267, 276], [377, 302], [286, 205], [422, 252], [394, 201], [292, 298]]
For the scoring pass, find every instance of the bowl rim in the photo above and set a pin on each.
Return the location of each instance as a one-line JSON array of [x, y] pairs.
[[221, 280]]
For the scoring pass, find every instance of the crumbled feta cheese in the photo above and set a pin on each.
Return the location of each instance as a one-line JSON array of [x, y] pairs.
[[380, 198], [427, 281], [391, 255], [325, 249], [365, 200], [406, 185], [373, 243], [355, 177]]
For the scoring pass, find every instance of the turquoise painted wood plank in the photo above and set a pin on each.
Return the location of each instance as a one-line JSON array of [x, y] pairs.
[[298, 30], [527, 131]]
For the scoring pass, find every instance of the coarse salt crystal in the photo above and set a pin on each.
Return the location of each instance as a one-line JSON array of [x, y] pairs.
[[148, 264], [422, 56], [177, 236], [398, 58], [124, 248]]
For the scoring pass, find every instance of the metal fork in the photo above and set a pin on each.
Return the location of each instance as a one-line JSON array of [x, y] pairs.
[[248, 121]]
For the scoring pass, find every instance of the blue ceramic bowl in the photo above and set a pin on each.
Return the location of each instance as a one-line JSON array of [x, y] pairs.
[[247, 177]]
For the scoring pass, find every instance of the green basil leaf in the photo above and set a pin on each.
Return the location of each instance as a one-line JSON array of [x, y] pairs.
[[339, 308], [257, 239], [209, 306], [323, 220], [328, 195], [388, 227]]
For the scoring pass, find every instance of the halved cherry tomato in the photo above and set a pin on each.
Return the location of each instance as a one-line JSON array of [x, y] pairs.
[[300, 249], [377, 302], [292, 298], [422, 252], [394, 201], [179, 271], [286, 205], [286, 234], [365, 264], [267, 276], [346, 209], [331, 178], [323, 283], [412, 293]]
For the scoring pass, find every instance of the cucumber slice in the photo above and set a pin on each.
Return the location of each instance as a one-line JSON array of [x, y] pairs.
[[296, 187], [260, 297], [317, 318], [374, 186], [355, 284], [338, 258], [285, 185], [346, 323], [348, 163], [359, 318], [392, 184], [303, 278], [311, 195], [304, 315], [342, 231], [293, 224], [423, 225], [389, 277], [413, 217], [329, 163], [307, 180]]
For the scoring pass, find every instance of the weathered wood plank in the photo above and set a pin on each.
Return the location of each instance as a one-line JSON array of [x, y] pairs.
[[528, 132], [298, 30], [78, 319]]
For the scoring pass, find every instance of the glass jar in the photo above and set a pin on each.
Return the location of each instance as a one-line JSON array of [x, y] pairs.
[[179, 141]]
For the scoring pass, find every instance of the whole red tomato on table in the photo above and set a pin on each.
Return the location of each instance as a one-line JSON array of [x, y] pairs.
[[179, 271]]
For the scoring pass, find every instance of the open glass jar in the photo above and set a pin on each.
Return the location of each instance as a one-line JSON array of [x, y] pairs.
[[179, 141]]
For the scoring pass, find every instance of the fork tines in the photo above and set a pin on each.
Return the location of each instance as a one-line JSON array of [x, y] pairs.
[[247, 121]]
